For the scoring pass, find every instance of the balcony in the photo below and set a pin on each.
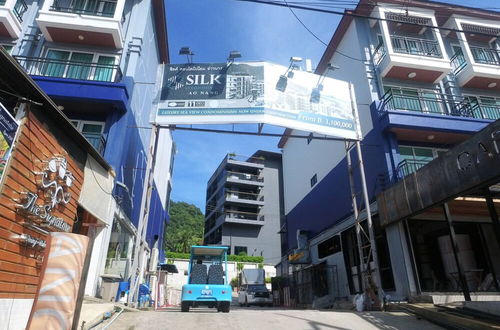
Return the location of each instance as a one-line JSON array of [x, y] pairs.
[[11, 17], [244, 218], [431, 102], [428, 116], [86, 22], [411, 58], [476, 64], [482, 72], [244, 198], [407, 167], [415, 46], [46, 67], [244, 178]]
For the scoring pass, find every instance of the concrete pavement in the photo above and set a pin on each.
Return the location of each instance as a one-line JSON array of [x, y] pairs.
[[268, 318]]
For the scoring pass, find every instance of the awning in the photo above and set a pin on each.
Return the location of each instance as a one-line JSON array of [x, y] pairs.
[[96, 195]]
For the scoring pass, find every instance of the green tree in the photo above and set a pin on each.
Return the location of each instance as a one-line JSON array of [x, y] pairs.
[[185, 228]]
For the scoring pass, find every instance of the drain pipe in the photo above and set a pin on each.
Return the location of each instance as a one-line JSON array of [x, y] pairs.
[[114, 319]]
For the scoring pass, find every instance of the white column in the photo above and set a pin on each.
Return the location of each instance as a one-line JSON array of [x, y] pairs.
[[120, 4], [385, 31]]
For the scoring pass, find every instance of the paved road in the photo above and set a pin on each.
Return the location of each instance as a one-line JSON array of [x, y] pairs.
[[259, 318]]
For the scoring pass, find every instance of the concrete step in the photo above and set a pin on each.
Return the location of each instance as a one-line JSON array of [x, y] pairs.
[[451, 320]]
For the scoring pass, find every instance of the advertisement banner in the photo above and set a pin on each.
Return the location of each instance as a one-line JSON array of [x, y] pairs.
[[62, 269], [256, 92], [8, 130]]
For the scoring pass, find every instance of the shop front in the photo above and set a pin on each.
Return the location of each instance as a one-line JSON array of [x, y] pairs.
[[43, 162], [447, 217]]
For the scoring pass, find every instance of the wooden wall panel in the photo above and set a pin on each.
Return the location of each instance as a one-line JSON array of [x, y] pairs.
[[19, 264]]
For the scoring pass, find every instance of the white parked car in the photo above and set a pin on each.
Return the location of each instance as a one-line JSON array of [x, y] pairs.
[[255, 294]]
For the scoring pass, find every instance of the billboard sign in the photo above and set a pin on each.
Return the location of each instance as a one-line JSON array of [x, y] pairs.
[[8, 130], [256, 92]]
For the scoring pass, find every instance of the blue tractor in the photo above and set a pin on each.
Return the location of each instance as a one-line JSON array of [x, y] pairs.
[[207, 279]]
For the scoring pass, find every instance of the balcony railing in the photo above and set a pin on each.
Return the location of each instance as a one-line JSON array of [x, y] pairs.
[[407, 167], [428, 101], [244, 195], [19, 9], [255, 160], [379, 53], [244, 176], [38, 66], [243, 215], [415, 46], [485, 55], [458, 62], [97, 141], [101, 8]]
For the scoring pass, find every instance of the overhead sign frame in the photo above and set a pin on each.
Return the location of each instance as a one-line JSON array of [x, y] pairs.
[[257, 92]]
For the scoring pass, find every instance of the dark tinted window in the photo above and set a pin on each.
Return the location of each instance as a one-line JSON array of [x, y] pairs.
[[328, 247]]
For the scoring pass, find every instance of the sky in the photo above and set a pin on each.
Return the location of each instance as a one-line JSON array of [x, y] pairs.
[[212, 28]]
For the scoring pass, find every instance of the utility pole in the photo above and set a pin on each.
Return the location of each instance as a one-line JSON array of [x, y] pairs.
[[140, 251], [367, 281]]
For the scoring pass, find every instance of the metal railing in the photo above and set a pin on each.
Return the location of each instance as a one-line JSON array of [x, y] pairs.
[[415, 46], [102, 8], [379, 53], [242, 215], [407, 167], [97, 141], [485, 55], [244, 195], [432, 102], [244, 176], [19, 9], [38, 66], [458, 62], [241, 158]]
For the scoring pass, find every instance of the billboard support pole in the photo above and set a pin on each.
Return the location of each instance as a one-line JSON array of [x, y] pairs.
[[368, 280], [138, 266]]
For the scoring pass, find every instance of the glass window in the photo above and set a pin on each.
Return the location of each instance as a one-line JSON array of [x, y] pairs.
[[314, 180], [82, 71], [416, 157], [8, 48], [104, 69], [240, 250], [56, 64], [329, 247]]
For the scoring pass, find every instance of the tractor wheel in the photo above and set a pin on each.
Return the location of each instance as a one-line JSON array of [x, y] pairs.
[[185, 306]]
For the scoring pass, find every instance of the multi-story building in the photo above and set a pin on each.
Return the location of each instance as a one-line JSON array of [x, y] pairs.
[[99, 61], [244, 205], [426, 77]]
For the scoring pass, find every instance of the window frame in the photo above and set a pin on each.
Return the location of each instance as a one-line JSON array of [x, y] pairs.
[[95, 58]]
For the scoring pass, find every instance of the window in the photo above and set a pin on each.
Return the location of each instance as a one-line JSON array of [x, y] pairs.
[[79, 65], [93, 132], [8, 48], [329, 247], [412, 99], [417, 157], [310, 138], [484, 107], [314, 180], [240, 250]]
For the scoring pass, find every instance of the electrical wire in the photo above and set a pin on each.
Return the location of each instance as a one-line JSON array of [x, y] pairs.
[[97, 181], [317, 38], [352, 13]]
